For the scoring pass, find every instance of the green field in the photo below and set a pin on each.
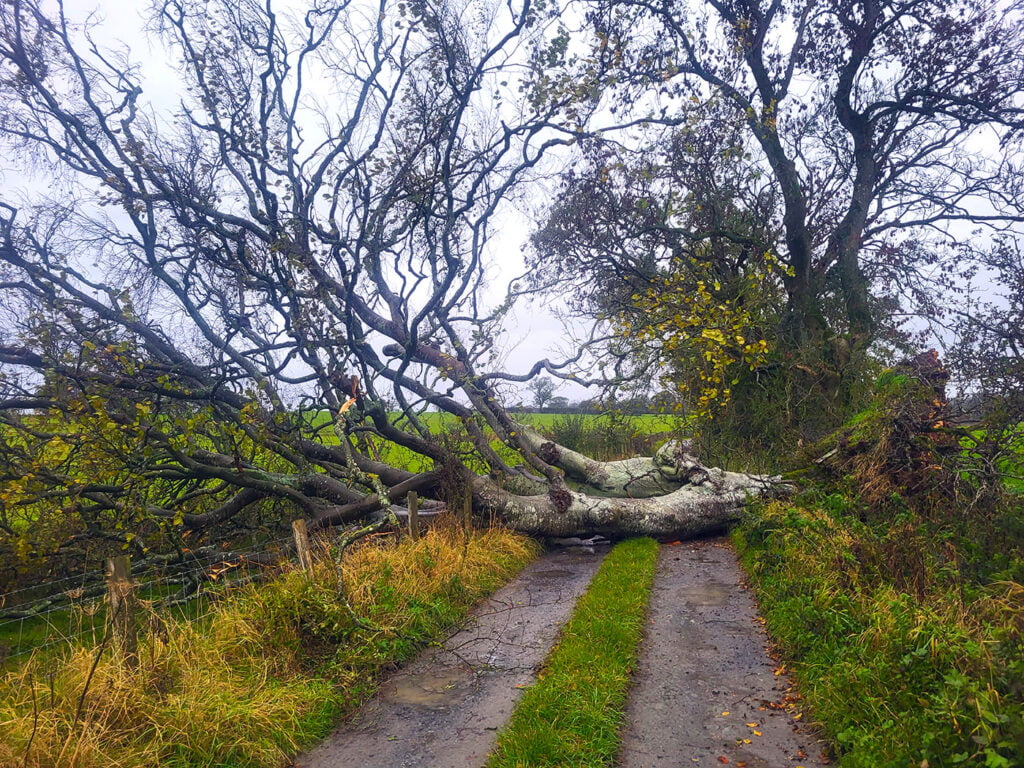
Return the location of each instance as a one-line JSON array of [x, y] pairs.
[[436, 420], [603, 437]]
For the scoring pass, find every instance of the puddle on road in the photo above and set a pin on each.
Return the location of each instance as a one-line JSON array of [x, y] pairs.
[[749, 759], [552, 574], [712, 593], [428, 689]]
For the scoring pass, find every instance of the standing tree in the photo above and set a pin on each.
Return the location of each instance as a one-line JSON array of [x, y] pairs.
[[988, 355], [212, 310], [851, 143], [558, 404], [543, 389]]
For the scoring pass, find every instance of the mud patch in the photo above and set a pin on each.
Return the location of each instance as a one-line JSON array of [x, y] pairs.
[[435, 688], [707, 594], [552, 574]]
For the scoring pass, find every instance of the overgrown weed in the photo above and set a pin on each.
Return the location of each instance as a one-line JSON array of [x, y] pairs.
[[269, 671], [901, 656]]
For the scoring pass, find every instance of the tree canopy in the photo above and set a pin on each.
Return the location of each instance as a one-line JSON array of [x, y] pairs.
[[815, 168], [213, 307], [212, 310]]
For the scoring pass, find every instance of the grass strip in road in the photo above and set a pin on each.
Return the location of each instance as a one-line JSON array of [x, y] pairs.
[[571, 717]]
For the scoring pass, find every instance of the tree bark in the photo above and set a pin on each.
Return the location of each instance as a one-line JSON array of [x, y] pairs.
[[689, 511], [672, 466]]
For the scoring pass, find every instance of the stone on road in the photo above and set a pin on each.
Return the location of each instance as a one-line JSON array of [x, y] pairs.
[[704, 691], [444, 709]]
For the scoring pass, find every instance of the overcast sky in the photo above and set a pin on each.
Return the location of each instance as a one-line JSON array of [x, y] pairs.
[[533, 329]]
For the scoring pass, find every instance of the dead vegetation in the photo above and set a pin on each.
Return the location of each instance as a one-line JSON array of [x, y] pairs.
[[266, 673]]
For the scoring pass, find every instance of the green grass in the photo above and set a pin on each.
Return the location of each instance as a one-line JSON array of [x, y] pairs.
[[601, 436], [266, 674], [902, 657], [649, 422], [571, 717]]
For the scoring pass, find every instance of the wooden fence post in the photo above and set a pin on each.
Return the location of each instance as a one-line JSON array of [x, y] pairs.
[[121, 606], [414, 515], [302, 544]]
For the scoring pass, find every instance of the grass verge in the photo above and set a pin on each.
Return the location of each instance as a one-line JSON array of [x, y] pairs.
[[902, 659], [266, 675], [571, 717]]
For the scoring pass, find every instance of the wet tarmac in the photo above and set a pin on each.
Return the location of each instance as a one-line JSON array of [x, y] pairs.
[[706, 692], [444, 709]]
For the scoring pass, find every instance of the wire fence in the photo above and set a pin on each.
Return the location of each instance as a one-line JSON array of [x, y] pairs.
[[188, 584]]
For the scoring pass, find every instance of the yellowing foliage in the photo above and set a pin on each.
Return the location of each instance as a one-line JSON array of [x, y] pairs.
[[707, 333]]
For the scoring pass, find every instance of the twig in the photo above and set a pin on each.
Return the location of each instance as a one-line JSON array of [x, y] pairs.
[[35, 726]]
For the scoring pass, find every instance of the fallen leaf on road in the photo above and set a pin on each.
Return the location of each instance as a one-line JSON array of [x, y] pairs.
[[725, 714], [751, 725], [757, 733], [723, 759]]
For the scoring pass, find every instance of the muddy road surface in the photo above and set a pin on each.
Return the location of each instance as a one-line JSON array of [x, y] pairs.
[[444, 709], [706, 693]]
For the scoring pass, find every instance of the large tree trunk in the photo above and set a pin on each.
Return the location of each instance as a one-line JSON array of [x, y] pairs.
[[668, 495], [688, 511], [671, 467]]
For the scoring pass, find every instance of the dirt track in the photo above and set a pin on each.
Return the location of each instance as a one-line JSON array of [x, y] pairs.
[[705, 687], [444, 709], [705, 692]]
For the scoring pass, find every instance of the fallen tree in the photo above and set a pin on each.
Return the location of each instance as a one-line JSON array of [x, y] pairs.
[[689, 511], [211, 318]]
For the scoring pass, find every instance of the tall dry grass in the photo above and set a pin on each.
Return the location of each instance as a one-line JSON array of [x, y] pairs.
[[266, 674]]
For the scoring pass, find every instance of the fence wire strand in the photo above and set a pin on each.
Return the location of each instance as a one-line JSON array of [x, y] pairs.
[[200, 578]]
